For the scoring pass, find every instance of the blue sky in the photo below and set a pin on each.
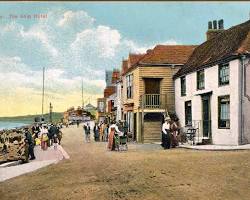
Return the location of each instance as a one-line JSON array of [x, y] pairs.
[[80, 40]]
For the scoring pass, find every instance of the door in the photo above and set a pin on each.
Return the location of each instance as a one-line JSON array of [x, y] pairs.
[[206, 122], [152, 85], [135, 128], [152, 91]]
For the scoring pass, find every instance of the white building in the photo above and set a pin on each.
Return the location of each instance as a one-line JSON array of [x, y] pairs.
[[212, 90], [118, 101]]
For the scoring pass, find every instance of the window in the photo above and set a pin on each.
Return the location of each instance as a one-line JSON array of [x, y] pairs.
[[200, 80], [129, 120], [129, 83], [188, 113], [224, 74], [183, 86], [224, 112], [101, 106]]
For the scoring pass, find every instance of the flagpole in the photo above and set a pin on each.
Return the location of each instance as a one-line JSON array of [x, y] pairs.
[[43, 91]]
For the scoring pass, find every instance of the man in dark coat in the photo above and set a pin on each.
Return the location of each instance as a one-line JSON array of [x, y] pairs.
[[52, 131], [30, 142]]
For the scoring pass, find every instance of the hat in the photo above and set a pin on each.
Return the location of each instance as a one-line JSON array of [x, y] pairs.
[[167, 118]]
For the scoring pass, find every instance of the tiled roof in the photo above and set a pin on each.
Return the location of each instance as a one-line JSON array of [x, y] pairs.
[[109, 90], [134, 59], [168, 54], [231, 43]]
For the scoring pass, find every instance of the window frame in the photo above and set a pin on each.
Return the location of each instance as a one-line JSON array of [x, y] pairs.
[[220, 66], [219, 112], [198, 74], [183, 86], [129, 86], [191, 117]]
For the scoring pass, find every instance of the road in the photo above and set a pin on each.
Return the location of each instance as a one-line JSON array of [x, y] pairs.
[[144, 172]]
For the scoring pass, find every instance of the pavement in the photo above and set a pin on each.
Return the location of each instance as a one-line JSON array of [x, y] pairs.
[[43, 159], [216, 147]]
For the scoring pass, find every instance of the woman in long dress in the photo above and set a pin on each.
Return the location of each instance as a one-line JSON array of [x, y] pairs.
[[44, 138], [113, 129]]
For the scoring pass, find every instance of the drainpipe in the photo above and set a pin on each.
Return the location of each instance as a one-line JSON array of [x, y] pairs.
[[241, 82]]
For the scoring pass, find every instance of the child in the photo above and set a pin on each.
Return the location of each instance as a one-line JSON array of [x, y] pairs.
[[55, 141]]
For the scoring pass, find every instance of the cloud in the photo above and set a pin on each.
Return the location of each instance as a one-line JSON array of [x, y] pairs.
[[72, 48], [101, 41], [76, 19], [38, 34]]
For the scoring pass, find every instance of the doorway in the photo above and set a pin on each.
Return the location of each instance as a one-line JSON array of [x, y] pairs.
[[206, 116], [152, 85]]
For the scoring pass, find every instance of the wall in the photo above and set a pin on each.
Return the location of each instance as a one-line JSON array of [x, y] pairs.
[[167, 84], [219, 136], [118, 101], [246, 104]]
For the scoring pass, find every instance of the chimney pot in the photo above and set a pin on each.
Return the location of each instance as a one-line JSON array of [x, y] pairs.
[[215, 24], [210, 25], [221, 24]]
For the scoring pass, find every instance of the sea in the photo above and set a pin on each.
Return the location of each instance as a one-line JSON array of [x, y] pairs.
[[10, 125]]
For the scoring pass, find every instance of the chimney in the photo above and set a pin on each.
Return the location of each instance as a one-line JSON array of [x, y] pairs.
[[215, 24], [210, 25], [213, 29], [221, 24]]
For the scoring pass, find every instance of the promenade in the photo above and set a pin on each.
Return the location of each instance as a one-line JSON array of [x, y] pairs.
[[144, 172]]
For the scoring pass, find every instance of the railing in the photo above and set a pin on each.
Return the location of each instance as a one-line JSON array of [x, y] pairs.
[[198, 130], [153, 101]]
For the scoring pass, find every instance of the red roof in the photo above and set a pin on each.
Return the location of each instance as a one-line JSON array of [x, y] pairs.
[[168, 54], [109, 91], [133, 59]]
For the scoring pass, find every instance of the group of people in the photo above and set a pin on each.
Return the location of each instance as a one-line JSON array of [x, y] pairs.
[[170, 133], [40, 134], [106, 132], [101, 132]]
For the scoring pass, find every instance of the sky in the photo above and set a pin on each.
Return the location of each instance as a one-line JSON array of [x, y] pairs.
[[78, 41]]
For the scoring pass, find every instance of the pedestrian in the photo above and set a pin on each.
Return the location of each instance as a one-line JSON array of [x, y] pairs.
[[174, 131], [87, 133], [30, 141], [166, 141], [125, 128], [96, 132], [106, 132], [51, 132], [77, 124], [113, 130], [102, 132], [55, 141], [44, 137]]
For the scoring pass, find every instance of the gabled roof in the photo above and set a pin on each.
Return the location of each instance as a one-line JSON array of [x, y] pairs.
[[168, 54], [229, 44], [134, 58]]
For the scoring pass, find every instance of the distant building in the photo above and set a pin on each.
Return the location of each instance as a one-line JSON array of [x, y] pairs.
[[101, 109], [108, 78], [89, 107]]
